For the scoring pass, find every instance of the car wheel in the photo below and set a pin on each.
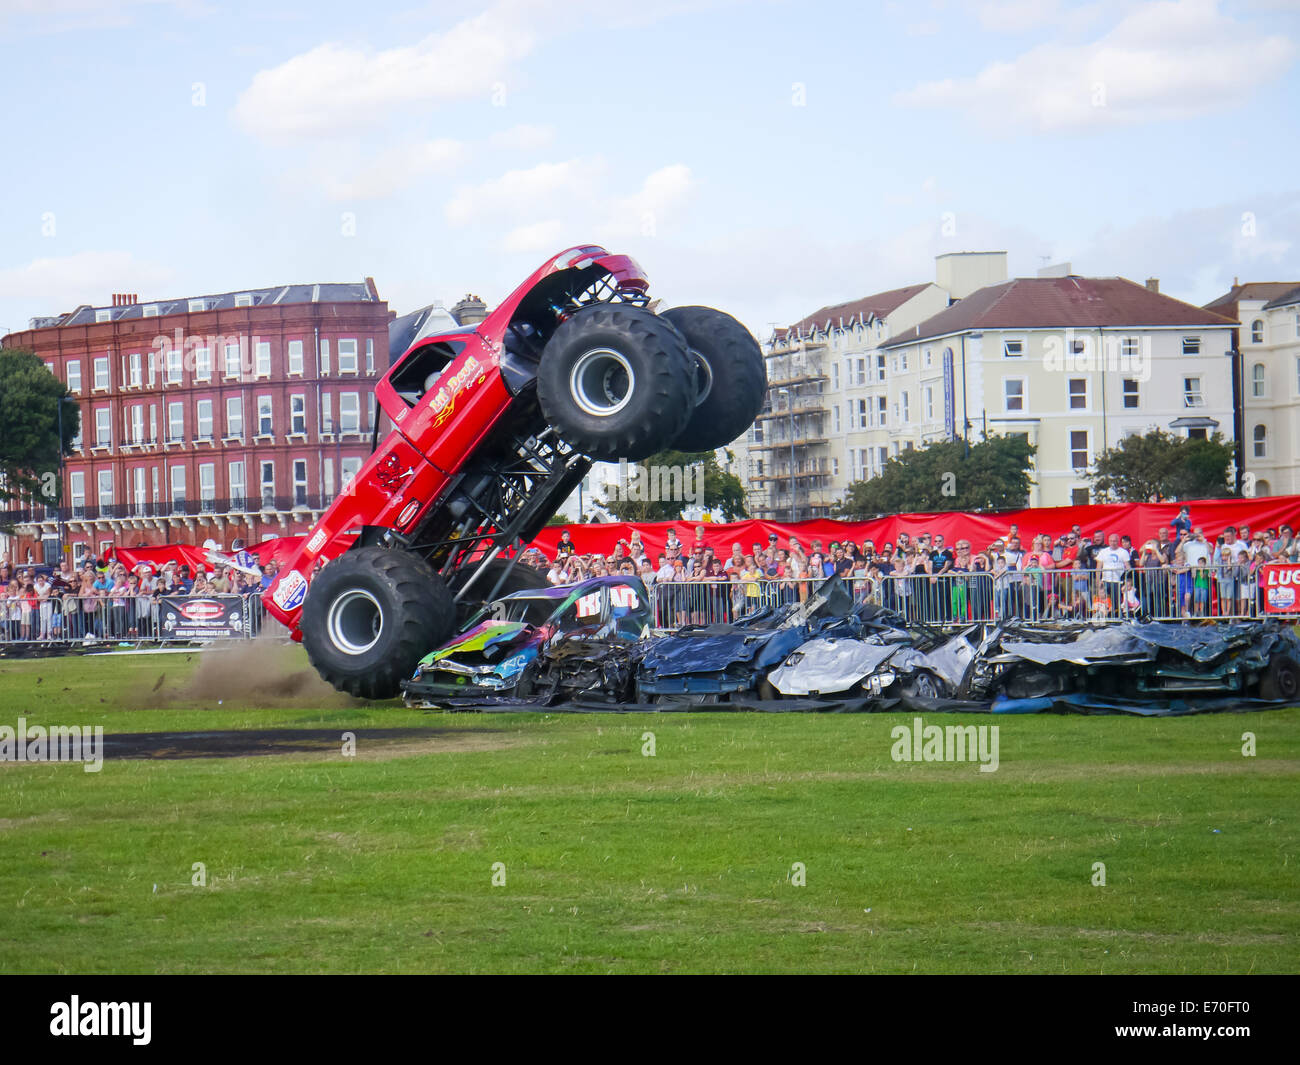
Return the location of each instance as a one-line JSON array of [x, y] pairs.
[[616, 381], [923, 686], [370, 616], [730, 377], [1281, 680]]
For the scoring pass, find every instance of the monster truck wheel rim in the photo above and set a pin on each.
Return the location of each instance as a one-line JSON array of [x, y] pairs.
[[354, 622], [602, 382], [703, 378]]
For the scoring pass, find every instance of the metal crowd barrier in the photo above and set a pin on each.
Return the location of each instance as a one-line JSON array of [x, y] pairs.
[[71, 619], [1169, 593]]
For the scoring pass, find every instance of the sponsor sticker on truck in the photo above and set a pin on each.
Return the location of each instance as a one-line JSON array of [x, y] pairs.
[[291, 591]]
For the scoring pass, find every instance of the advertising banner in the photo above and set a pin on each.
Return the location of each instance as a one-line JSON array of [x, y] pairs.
[[1282, 588], [203, 618]]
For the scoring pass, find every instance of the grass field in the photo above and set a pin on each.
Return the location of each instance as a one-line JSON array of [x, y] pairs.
[[616, 862]]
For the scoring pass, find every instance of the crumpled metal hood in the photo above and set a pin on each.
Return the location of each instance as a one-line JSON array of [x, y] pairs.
[[829, 665]]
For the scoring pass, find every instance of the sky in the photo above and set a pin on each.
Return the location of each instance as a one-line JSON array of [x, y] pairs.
[[767, 157]]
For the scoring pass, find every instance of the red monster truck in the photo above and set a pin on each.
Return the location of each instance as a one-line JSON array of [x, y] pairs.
[[493, 428]]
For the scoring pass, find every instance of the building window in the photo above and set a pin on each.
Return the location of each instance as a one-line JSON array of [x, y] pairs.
[[902, 361], [1257, 380], [1013, 349], [326, 413], [268, 485], [1128, 347], [881, 411], [203, 364], [138, 496], [1077, 388], [103, 316], [208, 484], [74, 375], [370, 355], [347, 356], [105, 488], [1079, 449], [1257, 331], [295, 357], [178, 484], [324, 357], [835, 377], [835, 418], [235, 416], [135, 365], [1261, 442], [232, 362], [1192, 392], [244, 299], [150, 310], [263, 359], [1078, 497], [1013, 393], [153, 423], [880, 367], [929, 403], [101, 374], [173, 366], [237, 486], [348, 469], [929, 358], [203, 412], [137, 424], [300, 482], [103, 427], [265, 423], [835, 467], [77, 490], [175, 422], [1132, 393], [298, 414], [349, 412], [906, 408], [1191, 345], [197, 305], [1297, 375]]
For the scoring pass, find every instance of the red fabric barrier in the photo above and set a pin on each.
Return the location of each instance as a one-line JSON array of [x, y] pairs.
[[1138, 520], [194, 556]]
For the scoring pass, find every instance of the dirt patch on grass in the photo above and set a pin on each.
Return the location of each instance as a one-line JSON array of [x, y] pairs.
[[369, 744]]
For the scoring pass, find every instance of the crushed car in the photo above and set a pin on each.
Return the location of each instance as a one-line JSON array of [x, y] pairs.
[[493, 654]]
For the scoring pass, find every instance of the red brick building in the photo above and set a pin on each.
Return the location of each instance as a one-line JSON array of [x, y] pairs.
[[234, 415]]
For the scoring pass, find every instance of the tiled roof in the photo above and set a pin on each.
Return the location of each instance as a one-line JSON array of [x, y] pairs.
[[1061, 303], [345, 292], [1292, 295], [864, 309], [1251, 290]]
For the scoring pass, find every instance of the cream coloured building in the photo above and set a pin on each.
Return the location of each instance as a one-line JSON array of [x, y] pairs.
[[1269, 342], [1074, 364]]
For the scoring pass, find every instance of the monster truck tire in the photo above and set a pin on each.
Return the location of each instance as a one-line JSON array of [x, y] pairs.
[[616, 381], [1281, 680], [370, 616], [731, 377], [521, 579]]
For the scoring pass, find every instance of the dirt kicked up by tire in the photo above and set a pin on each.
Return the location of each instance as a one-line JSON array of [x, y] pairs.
[[369, 617]]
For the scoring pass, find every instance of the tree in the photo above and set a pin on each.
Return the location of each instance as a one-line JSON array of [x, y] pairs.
[[1162, 464], [658, 488], [29, 416], [947, 475], [559, 519]]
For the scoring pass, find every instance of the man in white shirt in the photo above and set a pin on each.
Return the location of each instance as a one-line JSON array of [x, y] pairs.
[[1112, 561]]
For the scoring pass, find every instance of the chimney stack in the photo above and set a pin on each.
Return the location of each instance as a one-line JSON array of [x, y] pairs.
[[1153, 284]]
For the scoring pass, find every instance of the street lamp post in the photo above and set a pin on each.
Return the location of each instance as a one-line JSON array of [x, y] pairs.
[[58, 501], [789, 401]]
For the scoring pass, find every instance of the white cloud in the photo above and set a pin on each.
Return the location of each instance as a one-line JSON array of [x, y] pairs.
[[523, 138], [338, 88], [652, 206], [525, 193], [53, 285], [545, 236], [395, 169], [1165, 60]]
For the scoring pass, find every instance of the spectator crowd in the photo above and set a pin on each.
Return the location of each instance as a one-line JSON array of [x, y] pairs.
[[103, 599], [1182, 572]]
